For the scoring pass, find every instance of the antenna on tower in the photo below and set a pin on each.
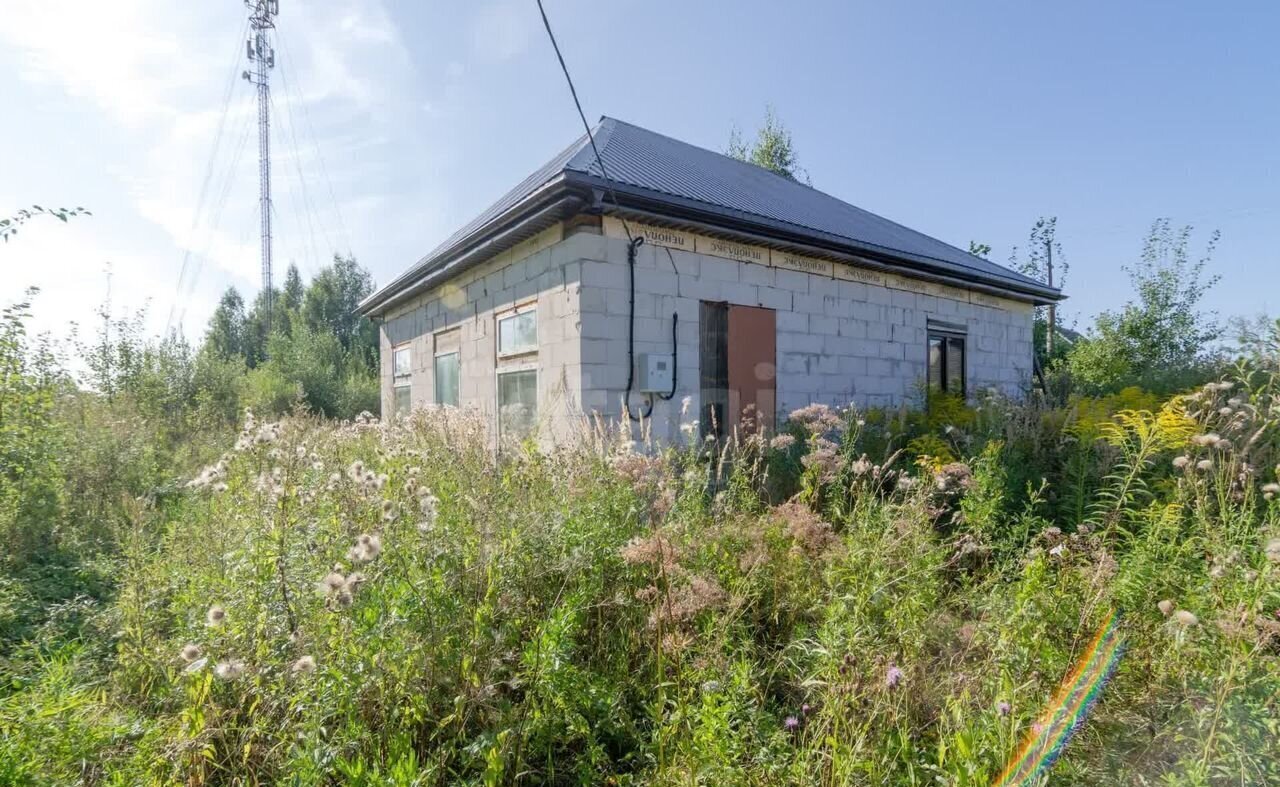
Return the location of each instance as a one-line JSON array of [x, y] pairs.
[[262, 20]]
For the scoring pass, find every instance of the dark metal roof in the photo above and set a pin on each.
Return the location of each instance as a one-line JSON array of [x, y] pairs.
[[663, 174]]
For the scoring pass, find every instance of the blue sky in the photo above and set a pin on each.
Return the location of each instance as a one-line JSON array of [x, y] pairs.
[[397, 121]]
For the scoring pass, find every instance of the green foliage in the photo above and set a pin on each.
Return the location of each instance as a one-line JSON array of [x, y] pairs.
[[226, 337], [772, 148], [826, 606], [330, 306], [9, 226], [1162, 339], [1044, 256], [317, 352], [582, 618], [31, 437]]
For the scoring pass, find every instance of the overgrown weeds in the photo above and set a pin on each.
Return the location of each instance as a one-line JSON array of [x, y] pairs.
[[374, 603]]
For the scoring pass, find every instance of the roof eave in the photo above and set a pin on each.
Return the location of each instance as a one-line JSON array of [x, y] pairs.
[[556, 195], [771, 231]]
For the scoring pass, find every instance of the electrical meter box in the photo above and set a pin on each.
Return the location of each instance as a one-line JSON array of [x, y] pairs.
[[655, 372]]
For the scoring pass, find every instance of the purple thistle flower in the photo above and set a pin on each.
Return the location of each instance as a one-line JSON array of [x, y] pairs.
[[791, 723], [893, 677], [1003, 708], [804, 709]]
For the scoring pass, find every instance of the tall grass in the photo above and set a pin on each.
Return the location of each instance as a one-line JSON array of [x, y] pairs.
[[367, 603]]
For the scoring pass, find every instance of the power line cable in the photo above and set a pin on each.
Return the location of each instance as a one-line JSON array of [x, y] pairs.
[[215, 221], [208, 176], [308, 207], [310, 203], [292, 84], [590, 137]]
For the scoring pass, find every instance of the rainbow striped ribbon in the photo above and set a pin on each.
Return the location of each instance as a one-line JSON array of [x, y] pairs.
[[1069, 708]]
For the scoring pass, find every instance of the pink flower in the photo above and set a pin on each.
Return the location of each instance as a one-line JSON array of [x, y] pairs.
[[893, 677]]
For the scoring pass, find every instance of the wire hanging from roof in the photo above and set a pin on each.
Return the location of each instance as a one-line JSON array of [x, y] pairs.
[[590, 137]]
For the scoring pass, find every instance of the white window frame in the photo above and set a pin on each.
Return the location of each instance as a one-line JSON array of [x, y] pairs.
[[401, 381], [452, 345], [516, 368], [498, 319]]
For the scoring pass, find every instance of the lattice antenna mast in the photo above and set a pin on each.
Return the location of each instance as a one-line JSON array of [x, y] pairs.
[[262, 20]]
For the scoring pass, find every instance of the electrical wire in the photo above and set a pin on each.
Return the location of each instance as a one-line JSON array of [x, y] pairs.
[[201, 250], [215, 221], [313, 214], [587, 126], [633, 244], [208, 177], [308, 208], [287, 75]]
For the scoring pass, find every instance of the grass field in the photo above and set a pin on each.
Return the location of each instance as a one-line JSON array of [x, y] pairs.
[[868, 598]]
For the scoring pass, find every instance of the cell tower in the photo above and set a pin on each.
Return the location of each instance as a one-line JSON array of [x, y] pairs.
[[262, 20]]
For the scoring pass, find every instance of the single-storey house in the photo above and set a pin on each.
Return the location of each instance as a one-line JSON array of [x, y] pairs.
[[686, 285]]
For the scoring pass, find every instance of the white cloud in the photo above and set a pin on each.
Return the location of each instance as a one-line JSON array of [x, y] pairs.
[[161, 71], [120, 55]]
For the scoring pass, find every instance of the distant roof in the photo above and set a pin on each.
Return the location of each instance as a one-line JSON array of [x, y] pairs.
[[665, 177]]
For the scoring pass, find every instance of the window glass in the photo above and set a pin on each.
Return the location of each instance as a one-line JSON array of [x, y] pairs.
[[403, 401], [946, 363], [518, 333], [936, 350], [955, 365], [517, 403], [401, 365], [447, 373]]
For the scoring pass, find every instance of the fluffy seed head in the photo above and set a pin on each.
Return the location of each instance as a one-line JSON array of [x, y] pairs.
[[190, 652], [303, 666], [331, 582], [1181, 462], [1165, 607], [216, 616], [368, 547], [1184, 618], [429, 504], [231, 669], [1204, 464]]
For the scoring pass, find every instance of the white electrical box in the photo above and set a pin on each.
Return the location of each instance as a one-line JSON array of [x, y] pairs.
[[655, 371]]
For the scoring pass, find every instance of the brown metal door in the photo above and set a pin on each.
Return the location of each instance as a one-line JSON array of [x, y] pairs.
[[752, 351]]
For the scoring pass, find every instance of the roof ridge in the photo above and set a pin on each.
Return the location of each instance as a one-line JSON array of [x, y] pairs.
[[870, 215], [668, 172]]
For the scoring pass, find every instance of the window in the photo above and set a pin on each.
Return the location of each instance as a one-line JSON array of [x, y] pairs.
[[448, 366], [946, 361], [402, 379], [447, 372], [518, 331], [517, 403]]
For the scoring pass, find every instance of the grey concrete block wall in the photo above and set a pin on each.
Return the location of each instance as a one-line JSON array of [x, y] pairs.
[[471, 304], [838, 341]]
